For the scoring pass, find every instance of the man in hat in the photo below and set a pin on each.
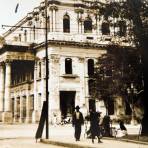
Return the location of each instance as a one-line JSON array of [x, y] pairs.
[[77, 122]]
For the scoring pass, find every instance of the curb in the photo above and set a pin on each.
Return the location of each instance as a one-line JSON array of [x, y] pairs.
[[73, 145], [64, 144], [127, 140]]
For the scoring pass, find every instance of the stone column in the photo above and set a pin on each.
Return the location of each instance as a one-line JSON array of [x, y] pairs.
[[82, 81], [43, 82], [54, 20], [21, 110], [54, 101], [7, 115], [1, 89], [82, 88], [28, 119], [15, 110], [35, 115]]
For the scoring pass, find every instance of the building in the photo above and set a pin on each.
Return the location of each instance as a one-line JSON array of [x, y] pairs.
[[77, 36]]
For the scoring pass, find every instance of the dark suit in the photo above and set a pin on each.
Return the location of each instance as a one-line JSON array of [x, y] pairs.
[[77, 123], [94, 124]]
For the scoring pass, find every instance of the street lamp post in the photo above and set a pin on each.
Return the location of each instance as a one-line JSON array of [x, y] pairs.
[[47, 72], [132, 91]]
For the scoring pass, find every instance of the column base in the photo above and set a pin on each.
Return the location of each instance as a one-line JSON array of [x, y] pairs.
[[21, 120], [1, 116], [7, 117], [134, 122], [15, 120], [28, 120], [35, 116]]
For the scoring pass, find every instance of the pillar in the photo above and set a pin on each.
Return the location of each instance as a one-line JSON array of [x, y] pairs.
[[7, 114], [15, 110], [35, 115], [43, 81], [83, 103], [21, 110], [54, 20], [28, 118], [1, 89], [54, 101]]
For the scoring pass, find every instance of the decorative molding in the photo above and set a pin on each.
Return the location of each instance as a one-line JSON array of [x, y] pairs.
[[81, 60], [54, 58]]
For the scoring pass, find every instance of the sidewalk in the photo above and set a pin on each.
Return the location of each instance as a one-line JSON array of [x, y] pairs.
[[63, 136]]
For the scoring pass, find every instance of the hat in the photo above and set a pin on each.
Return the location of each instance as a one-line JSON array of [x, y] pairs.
[[99, 112], [77, 107]]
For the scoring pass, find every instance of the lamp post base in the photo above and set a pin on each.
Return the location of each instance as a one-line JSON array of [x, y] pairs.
[[134, 122]]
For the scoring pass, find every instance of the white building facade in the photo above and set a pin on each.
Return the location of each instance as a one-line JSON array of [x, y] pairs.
[[77, 36]]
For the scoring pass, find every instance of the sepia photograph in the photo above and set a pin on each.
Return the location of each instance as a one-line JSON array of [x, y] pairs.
[[73, 73]]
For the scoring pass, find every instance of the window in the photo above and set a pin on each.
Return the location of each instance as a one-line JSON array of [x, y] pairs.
[[25, 35], [34, 32], [66, 23], [91, 86], [88, 25], [48, 24], [20, 39], [122, 28], [68, 66], [90, 67], [105, 28], [110, 106], [39, 70]]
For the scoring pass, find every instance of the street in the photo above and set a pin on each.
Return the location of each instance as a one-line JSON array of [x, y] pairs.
[[23, 143], [22, 136]]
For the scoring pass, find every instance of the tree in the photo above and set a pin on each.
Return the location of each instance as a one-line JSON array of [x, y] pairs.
[[114, 73], [136, 12]]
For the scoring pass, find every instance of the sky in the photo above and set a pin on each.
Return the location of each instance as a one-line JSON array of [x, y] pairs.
[[7, 11]]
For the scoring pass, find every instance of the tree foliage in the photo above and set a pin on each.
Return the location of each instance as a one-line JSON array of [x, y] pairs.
[[115, 71], [126, 71]]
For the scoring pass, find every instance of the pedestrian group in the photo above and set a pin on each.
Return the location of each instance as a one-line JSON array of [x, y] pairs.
[[95, 127]]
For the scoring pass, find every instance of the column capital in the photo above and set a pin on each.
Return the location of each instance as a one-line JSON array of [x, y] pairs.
[[54, 58], [8, 61], [2, 64], [53, 7]]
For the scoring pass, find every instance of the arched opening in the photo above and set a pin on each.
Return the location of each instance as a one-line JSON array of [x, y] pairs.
[[25, 35], [66, 23], [90, 67], [68, 66], [88, 25], [122, 28], [91, 87], [105, 28]]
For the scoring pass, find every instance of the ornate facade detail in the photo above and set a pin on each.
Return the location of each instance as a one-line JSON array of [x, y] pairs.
[[54, 58], [81, 60]]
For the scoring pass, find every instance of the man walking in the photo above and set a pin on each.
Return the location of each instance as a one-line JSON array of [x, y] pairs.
[[94, 125], [77, 122]]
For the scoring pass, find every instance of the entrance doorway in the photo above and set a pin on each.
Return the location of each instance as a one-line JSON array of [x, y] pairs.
[[67, 103]]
